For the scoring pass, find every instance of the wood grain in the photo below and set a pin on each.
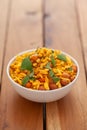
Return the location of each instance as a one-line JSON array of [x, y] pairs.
[[81, 7], [24, 32], [3, 22], [4, 4], [62, 33]]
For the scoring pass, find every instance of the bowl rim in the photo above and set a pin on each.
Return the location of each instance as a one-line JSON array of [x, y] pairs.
[[41, 91]]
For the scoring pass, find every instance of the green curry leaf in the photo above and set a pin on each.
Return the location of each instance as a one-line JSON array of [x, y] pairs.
[[48, 66], [62, 57], [32, 78], [55, 79], [26, 64], [28, 78], [53, 61], [25, 80], [31, 74], [51, 73], [70, 68]]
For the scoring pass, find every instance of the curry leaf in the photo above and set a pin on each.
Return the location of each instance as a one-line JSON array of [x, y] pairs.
[[31, 74], [70, 69], [55, 79], [32, 78], [51, 73], [26, 64], [25, 80], [53, 61], [28, 78], [48, 65], [62, 57]]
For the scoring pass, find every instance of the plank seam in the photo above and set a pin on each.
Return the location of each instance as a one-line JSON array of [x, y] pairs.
[[43, 36], [44, 116]]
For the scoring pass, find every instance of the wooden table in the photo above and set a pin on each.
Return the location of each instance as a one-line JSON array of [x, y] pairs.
[[58, 24]]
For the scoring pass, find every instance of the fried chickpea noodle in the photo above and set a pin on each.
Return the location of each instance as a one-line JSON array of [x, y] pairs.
[[43, 69]]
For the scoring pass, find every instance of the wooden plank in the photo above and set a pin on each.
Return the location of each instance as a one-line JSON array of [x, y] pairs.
[[62, 33], [3, 21], [24, 32], [4, 4], [82, 16]]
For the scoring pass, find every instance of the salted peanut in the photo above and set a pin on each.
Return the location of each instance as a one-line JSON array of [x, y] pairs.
[[41, 88], [50, 80], [52, 86], [65, 75], [34, 58], [72, 78], [74, 67], [28, 85], [41, 79], [64, 81]]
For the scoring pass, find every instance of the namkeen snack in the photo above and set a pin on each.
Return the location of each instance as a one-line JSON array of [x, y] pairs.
[[43, 69]]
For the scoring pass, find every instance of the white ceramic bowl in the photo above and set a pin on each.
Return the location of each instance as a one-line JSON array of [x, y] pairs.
[[39, 95]]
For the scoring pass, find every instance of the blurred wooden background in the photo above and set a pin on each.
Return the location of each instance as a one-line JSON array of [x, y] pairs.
[[26, 24]]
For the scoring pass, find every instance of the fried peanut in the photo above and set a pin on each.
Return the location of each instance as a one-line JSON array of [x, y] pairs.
[[52, 86], [66, 75], [50, 80], [34, 58], [64, 81], [74, 67], [72, 78], [28, 85], [41, 88]]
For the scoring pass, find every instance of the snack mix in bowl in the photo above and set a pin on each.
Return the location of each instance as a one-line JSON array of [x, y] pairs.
[[43, 69]]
